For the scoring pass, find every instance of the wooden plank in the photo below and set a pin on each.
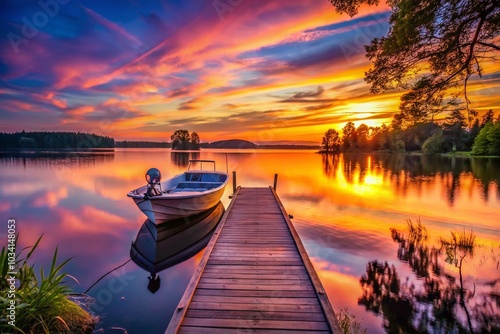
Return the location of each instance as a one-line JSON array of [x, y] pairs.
[[276, 275], [256, 257], [257, 234], [283, 286], [251, 263], [253, 242], [230, 313], [215, 330], [270, 298], [256, 307], [256, 248], [253, 253], [259, 267], [257, 294], [256, 323], [271, 271], [256, 281]]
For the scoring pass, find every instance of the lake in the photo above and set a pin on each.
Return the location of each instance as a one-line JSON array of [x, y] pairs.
[[352, 213]]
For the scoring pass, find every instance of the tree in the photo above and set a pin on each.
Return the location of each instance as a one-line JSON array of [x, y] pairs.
[[489, 116], [362, 134], [351, 6], [434, 144], [349, 136], [331, 141], [182, 140], [482, 143], [455, 136], [474, 131], [195, 141], [431, 48], [494, 139], [375, 137]]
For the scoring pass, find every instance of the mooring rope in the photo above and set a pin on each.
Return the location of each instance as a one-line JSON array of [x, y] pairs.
[[109, 272]]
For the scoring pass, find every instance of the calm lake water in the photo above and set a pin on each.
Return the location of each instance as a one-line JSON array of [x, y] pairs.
[[351, 213]]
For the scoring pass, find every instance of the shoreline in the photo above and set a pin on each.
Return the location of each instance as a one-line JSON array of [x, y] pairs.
[[461, 154]]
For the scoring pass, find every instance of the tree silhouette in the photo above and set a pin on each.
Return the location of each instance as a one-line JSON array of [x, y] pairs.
[[182, 140], [331, 142], [349, 136], [195, 141]]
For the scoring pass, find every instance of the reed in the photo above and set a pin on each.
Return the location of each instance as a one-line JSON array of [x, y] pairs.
[[417, 231], [464, 241], [42, 304], [348, 323]]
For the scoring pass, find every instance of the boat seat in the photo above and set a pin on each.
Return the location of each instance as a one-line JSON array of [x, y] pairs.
[[198, 185]]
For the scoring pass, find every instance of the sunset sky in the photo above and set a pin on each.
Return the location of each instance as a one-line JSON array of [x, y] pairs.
[[138, 70]]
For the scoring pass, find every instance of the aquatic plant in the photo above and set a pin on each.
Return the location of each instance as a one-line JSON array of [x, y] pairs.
[[348, 323], [441, 302], [42, 304]]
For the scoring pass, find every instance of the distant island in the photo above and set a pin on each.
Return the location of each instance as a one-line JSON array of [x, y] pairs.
[[245, 144], [231, 143]]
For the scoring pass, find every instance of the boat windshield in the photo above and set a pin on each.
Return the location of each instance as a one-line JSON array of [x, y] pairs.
[[199, 163]]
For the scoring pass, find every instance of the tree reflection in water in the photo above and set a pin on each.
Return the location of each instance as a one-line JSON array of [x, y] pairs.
[[182, 158], [405, 171], [443, 303]]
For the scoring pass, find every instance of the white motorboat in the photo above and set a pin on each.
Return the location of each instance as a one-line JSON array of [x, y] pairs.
[[186, 194]]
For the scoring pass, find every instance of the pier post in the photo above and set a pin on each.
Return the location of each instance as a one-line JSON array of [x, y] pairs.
[[234, 182], [275, 181]]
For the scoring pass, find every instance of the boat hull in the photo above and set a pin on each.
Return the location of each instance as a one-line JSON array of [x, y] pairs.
[[164, 209]]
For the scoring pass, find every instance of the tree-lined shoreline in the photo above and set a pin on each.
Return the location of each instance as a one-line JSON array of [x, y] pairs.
[[426, 136]]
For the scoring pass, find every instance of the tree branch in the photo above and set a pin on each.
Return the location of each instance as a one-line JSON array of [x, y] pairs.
[[471, 51], [491, 45]]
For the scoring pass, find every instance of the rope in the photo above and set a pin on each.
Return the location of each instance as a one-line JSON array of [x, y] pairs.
[[109, 272]]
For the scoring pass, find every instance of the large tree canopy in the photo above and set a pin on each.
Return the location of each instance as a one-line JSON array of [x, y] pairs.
[[432, 49]]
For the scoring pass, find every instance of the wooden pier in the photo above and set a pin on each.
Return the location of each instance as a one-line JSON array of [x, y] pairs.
[[255, 276]]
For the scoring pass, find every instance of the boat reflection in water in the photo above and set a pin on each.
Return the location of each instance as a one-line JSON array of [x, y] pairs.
[[160, 247]]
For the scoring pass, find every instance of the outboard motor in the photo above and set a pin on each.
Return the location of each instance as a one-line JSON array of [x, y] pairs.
[[153, 177]]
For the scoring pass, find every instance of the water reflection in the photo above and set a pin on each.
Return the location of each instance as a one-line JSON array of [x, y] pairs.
[[405, 171], [157, 248], [441, 301], [343, 217], [57, 159], [181, 159]]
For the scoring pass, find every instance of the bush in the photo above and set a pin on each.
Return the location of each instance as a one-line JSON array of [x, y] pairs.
[[494, 140], [433, 144], [482, 143]]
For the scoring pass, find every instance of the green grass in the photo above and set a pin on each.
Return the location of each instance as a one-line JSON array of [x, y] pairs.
[[42, 304]]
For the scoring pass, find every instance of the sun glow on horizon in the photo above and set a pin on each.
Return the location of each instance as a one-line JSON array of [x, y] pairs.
[[240, 77]]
